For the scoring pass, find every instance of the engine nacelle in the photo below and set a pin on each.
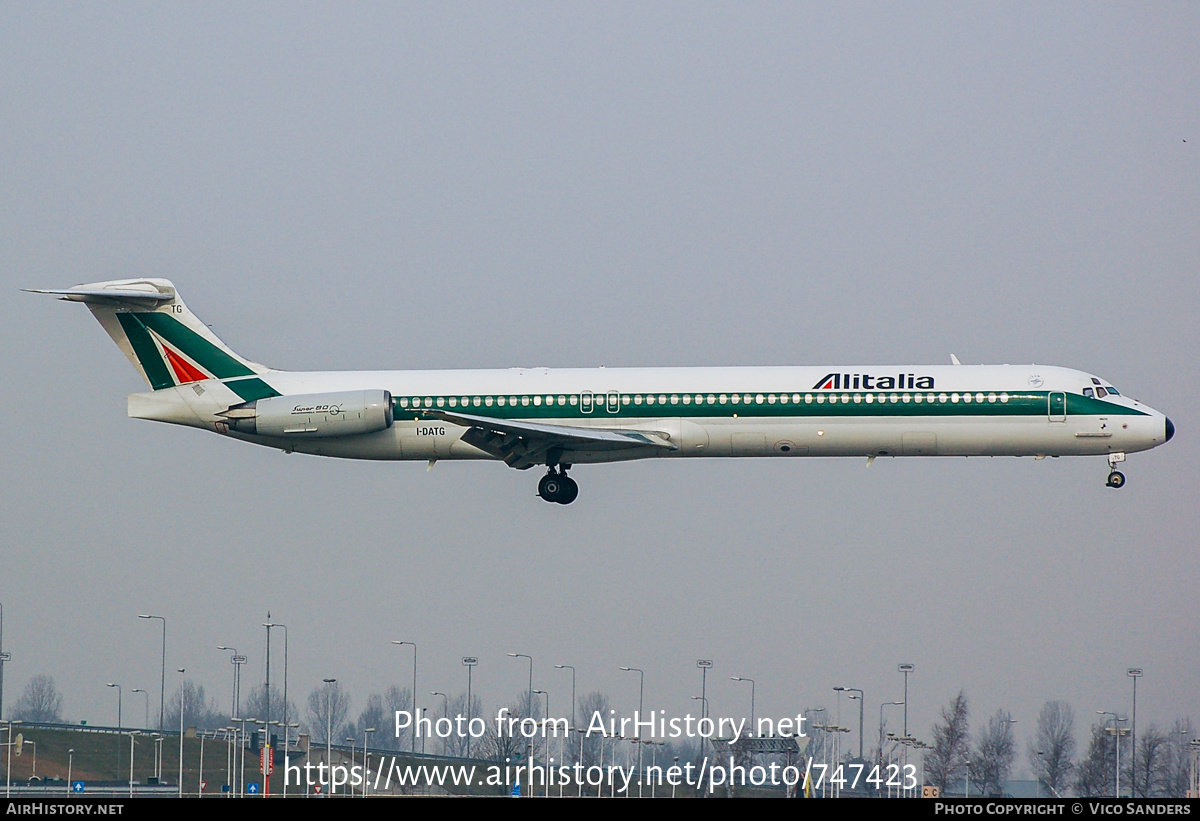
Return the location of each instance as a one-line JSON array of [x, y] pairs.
[[316, 415]]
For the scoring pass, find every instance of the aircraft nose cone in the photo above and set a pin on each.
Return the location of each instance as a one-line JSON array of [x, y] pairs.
[[1170, 428]]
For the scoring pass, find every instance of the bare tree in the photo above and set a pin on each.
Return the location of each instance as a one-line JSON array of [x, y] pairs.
[[398, 699], [328, 707], [1052, 751], [994, 754], [40, 701], [511, 740], [1179, 770], [1152, 767], [456, 710], [946, 763], [593, 707], [373, 717], [199, 711], [255, 705], [1096, 774]]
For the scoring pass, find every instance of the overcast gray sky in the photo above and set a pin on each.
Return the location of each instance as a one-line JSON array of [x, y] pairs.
[[489, 185]]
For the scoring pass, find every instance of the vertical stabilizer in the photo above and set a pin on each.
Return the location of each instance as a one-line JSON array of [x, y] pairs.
[[157, 333]]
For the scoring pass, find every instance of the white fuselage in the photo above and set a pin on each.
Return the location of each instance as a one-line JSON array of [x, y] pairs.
[[999, 410]]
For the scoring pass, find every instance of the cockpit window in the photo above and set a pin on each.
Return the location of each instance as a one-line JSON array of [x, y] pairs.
[[1113, 391], [1095, 381], [1101, 393], [1089, 393]]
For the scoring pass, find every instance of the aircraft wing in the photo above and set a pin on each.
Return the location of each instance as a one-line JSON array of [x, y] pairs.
[[525, 444]]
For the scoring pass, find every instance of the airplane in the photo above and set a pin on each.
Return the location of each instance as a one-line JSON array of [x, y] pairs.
[[559, 418]]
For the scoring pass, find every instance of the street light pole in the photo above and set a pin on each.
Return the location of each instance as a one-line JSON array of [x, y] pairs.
[[132, 733], [640, 716], [469, 662], [572, 669], [881, 706], [740, 678], [546, 783], [118, 686], [861, 702], [1134, 673], [162, 682], [270, 624], [329, 682], [529, 702], [182, 692], [414, 691], [146, 705]]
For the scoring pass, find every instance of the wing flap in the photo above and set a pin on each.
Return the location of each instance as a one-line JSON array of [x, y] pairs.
[[523, 444]]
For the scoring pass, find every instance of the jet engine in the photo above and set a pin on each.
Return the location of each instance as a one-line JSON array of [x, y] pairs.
[[316, 415]]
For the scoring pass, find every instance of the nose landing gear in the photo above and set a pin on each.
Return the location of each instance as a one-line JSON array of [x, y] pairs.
[[556, 486], [1116, 479]]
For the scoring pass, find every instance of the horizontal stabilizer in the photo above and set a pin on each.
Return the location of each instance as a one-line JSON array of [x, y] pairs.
[[103, 296]]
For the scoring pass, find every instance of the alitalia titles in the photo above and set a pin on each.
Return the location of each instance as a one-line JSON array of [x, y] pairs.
[[871, 382]]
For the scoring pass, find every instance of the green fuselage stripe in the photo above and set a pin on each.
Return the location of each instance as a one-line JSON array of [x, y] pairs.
[[1032, 403], [251, 389]]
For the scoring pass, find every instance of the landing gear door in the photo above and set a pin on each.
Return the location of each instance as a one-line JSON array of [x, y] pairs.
[[1057, 406]]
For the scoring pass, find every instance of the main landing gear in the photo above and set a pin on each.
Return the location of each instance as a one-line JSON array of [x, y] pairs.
[[557, 486], [1116, 479]]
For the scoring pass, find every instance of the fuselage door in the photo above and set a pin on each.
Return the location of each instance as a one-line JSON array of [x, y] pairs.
[[585, 401], [614, 402], [1057, 406]]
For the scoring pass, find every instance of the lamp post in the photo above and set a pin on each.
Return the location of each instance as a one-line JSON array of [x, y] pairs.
[[861, 701], [1116, 733], [572, 669], [529, 702], [1134, 673], [159, 739], [413, 735], [146, 705], [703, 714], [8, 766], [269, 625], [237, 661], [546, 782], [641, 690], [366, 759], [182, 692], [162, 684], [905, 669], [329, 682], [446, 713], [118, 686], [132, 733], [469, 662], [740, 678], [881, 706], [704, 666]]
